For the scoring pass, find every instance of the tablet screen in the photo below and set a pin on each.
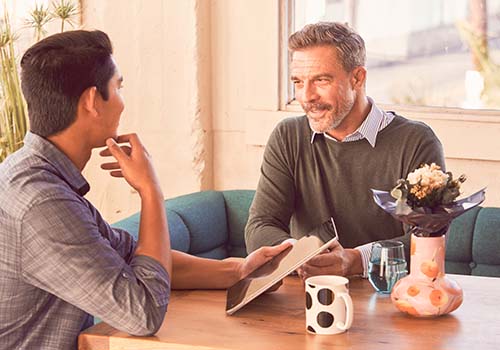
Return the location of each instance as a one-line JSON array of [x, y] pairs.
[[273, 271]]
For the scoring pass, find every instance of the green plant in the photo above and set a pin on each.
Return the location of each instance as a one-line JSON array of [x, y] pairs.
[[490, 71], [66, 11], [13, 113], [13, 110], [39, 16]]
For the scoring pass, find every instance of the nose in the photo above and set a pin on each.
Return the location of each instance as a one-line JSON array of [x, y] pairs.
[[309, 93]]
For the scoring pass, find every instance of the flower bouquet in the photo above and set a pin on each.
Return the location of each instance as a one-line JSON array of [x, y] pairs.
[[426, 201]]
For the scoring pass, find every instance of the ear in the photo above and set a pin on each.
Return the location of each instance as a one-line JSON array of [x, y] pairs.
[[358, 77], [87, 102]]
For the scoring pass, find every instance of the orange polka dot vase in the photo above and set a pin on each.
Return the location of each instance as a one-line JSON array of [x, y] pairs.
[[426, 291]]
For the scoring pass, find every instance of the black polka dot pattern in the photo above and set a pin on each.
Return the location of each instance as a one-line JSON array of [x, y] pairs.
[[310, 329], [325, 296], [325, 319], [308, 301]]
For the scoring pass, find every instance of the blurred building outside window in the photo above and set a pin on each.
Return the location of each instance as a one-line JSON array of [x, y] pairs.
[[441, 53]]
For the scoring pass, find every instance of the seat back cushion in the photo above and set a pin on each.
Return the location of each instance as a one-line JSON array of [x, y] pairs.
[[204, 215], [486, 243], [179, 234], [459, 243]]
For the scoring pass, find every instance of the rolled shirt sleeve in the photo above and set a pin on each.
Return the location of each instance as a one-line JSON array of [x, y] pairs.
[[67, 252], [365, 251]]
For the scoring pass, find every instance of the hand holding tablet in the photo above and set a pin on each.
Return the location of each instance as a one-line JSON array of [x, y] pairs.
[[273, 271]]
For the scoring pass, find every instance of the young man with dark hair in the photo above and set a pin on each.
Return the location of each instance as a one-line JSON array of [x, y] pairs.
[[60, 262], [322, 165]]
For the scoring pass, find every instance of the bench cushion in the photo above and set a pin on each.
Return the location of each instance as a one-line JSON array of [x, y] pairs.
[[204, 215], [459, 243], [486, 243], [179, 234], [237, 205]]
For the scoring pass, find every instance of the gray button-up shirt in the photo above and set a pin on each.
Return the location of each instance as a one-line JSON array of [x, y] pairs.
[[60, 262]]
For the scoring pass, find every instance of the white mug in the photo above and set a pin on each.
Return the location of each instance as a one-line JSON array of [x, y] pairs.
[[329, 307]]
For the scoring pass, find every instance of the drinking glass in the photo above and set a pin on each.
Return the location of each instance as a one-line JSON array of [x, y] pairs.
[[387, 265]]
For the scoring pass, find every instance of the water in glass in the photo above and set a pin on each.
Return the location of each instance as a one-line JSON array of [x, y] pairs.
[[387, 265]]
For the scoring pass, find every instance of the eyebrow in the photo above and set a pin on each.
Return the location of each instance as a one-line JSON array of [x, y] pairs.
[[314, 77]]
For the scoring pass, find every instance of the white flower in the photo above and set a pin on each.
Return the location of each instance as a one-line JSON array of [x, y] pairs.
[[428, 176]]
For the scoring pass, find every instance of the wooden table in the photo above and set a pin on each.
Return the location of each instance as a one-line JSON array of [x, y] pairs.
[[197, 320]]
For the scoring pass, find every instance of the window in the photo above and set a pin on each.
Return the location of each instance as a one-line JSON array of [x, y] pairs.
[[424, 53]]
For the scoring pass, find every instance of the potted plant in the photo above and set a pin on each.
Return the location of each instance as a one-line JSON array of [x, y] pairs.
[[426, 202]]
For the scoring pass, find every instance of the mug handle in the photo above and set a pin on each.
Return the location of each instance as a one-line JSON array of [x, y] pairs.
[[349, 312]]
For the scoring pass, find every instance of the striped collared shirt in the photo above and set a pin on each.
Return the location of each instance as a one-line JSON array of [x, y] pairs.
[[375, 121]]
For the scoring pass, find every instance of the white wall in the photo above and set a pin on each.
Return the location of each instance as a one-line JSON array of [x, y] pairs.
[[162, 50], [245, 78]]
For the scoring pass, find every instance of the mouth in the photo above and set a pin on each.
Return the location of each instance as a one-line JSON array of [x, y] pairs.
[[316, 114], [316, 110]]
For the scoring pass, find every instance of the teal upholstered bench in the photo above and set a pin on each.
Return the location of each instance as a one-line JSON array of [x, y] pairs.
[[212, 223], [209, 224], [473, 243]]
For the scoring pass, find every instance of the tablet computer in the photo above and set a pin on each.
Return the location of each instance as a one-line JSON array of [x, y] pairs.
[[274, 270]]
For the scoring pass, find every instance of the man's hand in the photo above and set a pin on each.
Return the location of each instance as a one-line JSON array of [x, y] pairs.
[[132, 162], [259, 257], [335, 261]]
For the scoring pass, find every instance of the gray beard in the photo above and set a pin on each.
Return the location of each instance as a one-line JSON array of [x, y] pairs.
[[335, 124]]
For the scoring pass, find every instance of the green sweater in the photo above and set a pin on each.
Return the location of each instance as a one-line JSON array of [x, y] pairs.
[[303, 184]]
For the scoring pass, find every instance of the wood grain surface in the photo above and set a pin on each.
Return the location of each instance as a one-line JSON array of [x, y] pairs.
[[197, 320]]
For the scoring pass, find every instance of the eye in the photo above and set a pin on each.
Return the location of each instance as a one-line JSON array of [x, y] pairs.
[[298, 83], [322, 81]]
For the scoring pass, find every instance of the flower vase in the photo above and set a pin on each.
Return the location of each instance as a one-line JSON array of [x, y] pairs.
[[426, 291]]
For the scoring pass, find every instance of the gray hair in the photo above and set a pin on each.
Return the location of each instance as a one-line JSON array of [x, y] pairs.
[[349, 44]]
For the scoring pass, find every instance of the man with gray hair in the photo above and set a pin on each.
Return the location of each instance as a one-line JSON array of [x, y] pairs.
[[323, 165]]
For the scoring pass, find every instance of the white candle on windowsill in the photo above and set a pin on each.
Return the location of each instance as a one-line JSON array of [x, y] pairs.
[[474, 85]]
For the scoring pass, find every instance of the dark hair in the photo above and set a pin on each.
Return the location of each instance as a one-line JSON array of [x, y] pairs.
[[57, 70], [349, 44]]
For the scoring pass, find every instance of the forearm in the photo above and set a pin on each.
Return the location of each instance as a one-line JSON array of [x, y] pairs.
[[154, 240], [191, 272], [273, 204], [268, 219], [260, 232]]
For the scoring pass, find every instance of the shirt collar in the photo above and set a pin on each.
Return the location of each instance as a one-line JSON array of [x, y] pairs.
[[50, 153], [367, 130]]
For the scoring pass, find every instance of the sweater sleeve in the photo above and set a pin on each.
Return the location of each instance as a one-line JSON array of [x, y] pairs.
[[428, 150], [273, 204]]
